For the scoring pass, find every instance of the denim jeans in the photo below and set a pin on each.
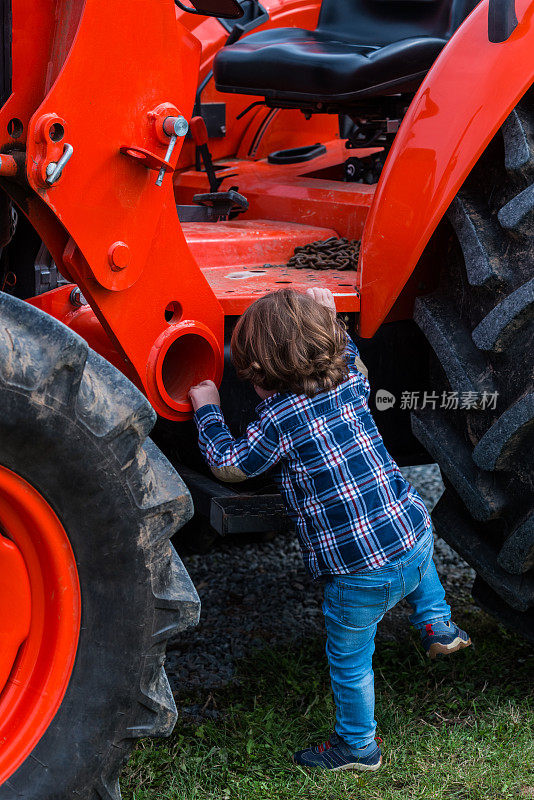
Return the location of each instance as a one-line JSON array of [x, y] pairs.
[[353, 606]]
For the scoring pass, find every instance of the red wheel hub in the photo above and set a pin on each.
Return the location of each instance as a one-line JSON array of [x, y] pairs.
[[40, 609]]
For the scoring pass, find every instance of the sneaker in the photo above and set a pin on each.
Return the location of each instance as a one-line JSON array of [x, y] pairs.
[[335, 754], [443, 638]]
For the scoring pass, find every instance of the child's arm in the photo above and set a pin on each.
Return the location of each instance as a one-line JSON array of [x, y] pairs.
[[231, 459], [326, 298]]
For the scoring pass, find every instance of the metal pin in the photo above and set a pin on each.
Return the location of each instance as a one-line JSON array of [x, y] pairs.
[[179, 128]]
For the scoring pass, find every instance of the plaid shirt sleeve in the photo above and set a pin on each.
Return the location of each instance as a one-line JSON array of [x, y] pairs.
[[253, 453]]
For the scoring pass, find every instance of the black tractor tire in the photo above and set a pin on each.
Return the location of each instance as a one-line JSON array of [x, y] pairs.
[[76, 429], [479, 323]]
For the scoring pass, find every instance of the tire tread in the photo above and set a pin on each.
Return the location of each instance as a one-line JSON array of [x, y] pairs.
[[45, 359]]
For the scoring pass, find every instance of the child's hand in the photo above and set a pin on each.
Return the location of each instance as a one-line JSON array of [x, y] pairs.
[[322, 296], [203, 394]]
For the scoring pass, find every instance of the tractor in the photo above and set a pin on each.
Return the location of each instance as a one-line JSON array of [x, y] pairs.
[[162, 165]]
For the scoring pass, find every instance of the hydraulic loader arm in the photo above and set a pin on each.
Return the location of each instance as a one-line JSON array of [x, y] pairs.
[[466, 96], [99, 91]]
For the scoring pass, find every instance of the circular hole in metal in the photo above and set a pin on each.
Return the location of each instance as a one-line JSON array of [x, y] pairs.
[[189, 360], [56, 132], [173, 312], [15, 127]]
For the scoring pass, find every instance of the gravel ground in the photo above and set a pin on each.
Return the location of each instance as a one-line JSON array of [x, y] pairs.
[[259, 594]]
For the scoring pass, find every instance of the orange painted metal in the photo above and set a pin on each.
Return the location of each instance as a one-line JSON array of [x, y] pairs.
[[38, 50], [237, 289], [116, 234], [15, 605], [297, 193], [109, 228], [42, 668], [242, 243], [280, 129], [466, 96], [106, 200], [82, 319], [8, 166], [226, 249], [232, 256]]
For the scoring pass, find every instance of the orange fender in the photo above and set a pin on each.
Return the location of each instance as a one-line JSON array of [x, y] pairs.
[[472, 87]]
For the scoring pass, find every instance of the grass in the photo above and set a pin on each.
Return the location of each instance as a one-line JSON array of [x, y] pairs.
[[459, 729]]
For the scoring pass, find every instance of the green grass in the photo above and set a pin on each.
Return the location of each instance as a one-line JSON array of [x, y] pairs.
[[459, 729]]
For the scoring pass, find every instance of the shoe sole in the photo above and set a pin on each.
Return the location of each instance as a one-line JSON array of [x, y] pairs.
[[438, 649], [356, 766]]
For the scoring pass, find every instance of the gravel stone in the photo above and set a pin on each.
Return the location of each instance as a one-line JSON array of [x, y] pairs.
[[257, 594]]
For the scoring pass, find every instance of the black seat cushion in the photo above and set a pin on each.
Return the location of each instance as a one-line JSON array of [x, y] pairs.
[[360, 48], [295, 64]]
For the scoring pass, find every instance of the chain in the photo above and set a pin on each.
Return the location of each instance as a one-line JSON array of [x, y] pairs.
[[332, 253]]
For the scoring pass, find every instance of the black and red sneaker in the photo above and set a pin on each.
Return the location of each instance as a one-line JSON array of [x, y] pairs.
[[335, 754]]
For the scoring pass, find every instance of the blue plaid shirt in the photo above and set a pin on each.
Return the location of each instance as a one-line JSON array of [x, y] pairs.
[[352, 508]]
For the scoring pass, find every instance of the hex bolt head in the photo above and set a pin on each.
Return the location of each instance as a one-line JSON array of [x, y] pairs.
[[118, 256]]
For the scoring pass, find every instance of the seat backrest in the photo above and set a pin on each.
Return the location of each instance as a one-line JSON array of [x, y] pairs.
[[381, 22]]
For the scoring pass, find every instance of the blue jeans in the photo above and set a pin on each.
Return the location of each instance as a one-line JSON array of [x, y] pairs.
[[353, 606]]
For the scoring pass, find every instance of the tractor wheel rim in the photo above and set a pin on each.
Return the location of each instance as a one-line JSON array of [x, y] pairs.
[[51, 601]]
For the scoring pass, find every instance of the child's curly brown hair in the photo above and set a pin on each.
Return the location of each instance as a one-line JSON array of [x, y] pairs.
[[287, 342]]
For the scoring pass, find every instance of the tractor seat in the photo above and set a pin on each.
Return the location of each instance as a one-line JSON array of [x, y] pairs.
[[360, 48]]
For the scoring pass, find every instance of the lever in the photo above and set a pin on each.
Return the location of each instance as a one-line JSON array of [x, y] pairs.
[[199, 132], [173, 127], [54, 169]]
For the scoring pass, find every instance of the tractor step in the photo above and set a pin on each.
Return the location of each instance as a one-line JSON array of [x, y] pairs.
[[241, 260], [230, 512]]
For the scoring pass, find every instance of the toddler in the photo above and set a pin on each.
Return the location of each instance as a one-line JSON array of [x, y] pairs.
[[362, 527]]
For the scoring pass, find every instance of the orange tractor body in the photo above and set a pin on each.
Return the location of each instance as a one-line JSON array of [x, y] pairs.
[[124, 246], [169, 196]]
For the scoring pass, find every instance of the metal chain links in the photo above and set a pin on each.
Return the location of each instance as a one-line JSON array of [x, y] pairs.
[[332, 253]]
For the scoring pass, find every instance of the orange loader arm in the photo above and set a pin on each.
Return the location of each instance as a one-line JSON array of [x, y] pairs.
[[94, 100]]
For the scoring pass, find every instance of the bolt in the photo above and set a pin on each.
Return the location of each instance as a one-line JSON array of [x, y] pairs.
[[175, 125], [76, 298], [50, 168], [118, 256]]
